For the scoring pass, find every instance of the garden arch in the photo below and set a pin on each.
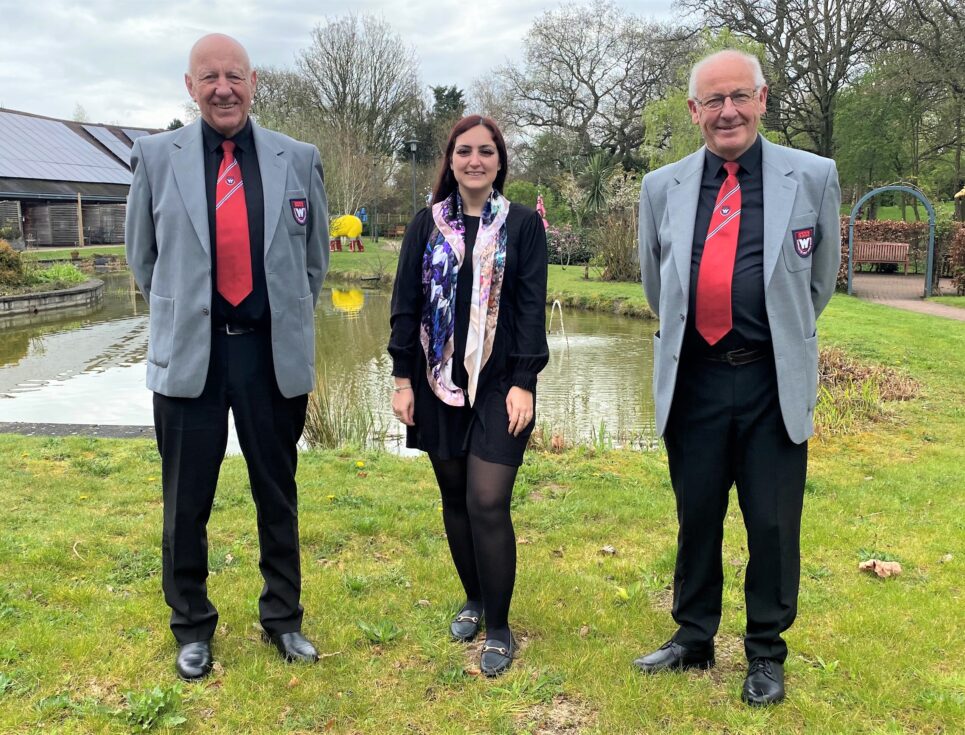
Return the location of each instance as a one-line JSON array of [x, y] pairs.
[[930, 262]]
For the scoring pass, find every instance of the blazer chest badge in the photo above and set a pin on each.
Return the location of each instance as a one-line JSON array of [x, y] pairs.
[[803, 241], [299, 210]]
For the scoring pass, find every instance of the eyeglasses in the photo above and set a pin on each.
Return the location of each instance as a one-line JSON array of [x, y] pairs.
[[739, 98]]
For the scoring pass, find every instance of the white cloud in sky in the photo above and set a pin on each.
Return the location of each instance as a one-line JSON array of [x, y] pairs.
[[124, 61]]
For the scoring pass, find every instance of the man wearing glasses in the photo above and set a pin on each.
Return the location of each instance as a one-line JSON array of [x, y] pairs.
[[739, 251]]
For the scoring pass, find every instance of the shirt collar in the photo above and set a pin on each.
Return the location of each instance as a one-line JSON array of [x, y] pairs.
[[749, 160], [243, 139]]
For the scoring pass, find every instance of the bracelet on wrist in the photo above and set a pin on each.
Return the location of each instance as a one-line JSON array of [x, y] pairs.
[[398, 388]]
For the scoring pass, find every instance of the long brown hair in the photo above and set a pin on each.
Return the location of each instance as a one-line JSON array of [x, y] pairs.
[[445, 181]]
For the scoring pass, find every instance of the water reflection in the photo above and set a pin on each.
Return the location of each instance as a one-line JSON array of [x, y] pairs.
[[89, 368]]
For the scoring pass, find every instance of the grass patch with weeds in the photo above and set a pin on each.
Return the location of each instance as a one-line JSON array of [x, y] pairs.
[[83, 623]]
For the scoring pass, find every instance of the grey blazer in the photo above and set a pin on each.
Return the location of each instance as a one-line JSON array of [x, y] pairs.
[[802, 252], [169, 251]]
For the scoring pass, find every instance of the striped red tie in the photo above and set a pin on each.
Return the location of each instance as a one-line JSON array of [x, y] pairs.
[[714, 318], [232, 246]]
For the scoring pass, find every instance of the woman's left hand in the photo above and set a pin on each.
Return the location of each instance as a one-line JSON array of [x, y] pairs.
[[519, 406]]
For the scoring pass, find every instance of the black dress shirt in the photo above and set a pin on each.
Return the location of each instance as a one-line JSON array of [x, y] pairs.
[[750, 326], [253, 310]]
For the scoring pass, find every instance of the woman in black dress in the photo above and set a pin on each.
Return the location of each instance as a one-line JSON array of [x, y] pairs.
[[468, 340]]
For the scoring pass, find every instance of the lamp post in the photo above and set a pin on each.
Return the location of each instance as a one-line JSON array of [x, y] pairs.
[[413, 147]]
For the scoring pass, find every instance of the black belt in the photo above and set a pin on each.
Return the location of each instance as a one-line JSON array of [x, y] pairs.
[[742, 356], [233, 330]]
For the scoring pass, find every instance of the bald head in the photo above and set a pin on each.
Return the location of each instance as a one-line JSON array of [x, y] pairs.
[[221, 81]]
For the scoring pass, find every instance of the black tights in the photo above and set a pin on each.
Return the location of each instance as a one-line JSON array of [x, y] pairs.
[[475, 512]]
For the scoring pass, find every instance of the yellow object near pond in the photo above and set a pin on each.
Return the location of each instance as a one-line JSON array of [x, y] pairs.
[[348, 225], [348, 301]]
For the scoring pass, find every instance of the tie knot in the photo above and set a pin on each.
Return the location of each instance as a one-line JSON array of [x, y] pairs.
[[731, 167], [228, 146]]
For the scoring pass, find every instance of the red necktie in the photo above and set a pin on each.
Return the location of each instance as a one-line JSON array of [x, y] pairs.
[[714, 319], [232, 246]]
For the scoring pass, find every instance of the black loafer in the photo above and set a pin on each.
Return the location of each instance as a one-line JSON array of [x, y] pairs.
[[292, 646], [465, 625], [764, 683], [194, 660], [672, 656], [496, 657]]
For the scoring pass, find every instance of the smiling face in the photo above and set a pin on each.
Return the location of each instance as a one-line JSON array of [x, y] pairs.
[[475, 161], [732, 129], [221, 81]]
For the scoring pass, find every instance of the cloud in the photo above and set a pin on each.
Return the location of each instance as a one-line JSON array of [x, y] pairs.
[[123, 61]]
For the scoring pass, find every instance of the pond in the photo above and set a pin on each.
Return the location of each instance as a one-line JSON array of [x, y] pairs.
[[88, 368]]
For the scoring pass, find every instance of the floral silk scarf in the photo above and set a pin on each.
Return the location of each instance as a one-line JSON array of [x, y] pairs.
[[444, 254]]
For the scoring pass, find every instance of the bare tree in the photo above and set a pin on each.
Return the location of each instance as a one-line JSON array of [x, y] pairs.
[[361, 78], [934, 33], [589, 70], [813, 48]]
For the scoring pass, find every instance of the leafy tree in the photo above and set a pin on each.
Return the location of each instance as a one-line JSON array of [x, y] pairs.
[[813, 50]]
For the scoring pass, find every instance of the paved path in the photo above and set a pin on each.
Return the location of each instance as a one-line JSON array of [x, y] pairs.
[[106, 431], [904, 292]]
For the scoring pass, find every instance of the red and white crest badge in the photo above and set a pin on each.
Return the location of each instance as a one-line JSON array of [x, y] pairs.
[[803, 241], [299, 210]]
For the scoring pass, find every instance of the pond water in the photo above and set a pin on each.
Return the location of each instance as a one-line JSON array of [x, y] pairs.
[[88, 367]]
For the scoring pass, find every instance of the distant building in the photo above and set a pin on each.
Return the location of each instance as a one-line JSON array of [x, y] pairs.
[[46, 163]]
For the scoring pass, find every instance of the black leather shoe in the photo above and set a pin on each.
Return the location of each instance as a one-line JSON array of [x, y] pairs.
[[672, 656], [465, 625], [496, 657], [292, 646], [764, 683], [194, 660]]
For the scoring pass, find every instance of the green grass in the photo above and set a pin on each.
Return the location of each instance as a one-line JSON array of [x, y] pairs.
[[958, 301], [84, 644], [893, 212], [85, 253]]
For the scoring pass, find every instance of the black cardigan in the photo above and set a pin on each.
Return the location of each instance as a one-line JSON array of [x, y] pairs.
[[519, 348]]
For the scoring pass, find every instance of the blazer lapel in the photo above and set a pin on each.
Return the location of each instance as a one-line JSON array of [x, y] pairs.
[[682, 210], [187, 162], [274, 177], [779, 192]]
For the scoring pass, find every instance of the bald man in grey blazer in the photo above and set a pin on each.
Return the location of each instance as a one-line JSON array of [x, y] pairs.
[[735, 358], [226, 230]]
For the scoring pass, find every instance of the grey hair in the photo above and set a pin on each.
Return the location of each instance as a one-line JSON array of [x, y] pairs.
[[751, 60]]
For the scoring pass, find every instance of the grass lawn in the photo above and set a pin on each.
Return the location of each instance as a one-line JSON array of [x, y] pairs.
[[958, 301], [86, 252], [893, 212], [84, 644]]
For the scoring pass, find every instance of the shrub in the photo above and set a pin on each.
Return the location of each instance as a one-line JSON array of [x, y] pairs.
[[11, 266], [956, 258], [59, 274], [615, 245], [566, 245]]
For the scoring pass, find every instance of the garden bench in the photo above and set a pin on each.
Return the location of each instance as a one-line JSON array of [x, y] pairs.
[[881, 252]]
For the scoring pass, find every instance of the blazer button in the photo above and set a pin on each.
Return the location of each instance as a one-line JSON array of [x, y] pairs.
[[683, 318], [675, 358], [205, 311]]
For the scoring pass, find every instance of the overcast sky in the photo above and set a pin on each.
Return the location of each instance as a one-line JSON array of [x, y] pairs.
[[123, 61]]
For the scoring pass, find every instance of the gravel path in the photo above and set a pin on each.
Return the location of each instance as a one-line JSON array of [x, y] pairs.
[[904, 292]]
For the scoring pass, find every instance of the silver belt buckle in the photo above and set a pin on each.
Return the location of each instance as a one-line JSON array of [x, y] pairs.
[[230, 332]]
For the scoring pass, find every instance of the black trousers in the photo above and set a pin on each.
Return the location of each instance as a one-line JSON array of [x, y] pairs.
[[192, 434], [725, 427]]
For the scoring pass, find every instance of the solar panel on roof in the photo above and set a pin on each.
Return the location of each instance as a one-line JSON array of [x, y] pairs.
[[112, 142], [134, 134], [36, 148]]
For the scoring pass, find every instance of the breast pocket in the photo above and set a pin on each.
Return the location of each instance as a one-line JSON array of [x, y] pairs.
[[800, 241]]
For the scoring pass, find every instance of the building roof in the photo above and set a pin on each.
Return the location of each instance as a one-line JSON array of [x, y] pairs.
[[42, 155]]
